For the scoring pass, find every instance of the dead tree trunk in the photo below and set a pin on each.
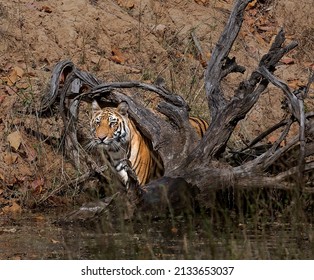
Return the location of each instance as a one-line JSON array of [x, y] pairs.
[[188, 162]]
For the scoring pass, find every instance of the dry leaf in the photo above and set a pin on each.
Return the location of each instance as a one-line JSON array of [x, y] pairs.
[[15, 140], [11, 78], [45, 9], [189, 56], [174, 230], [252, 12], [9, 90], [19, 71], [9, 158], [37, 185], [2, 97], [287, 60], [14, 208], [54, 241], [39, 218], [273, 138], [22, 85], [95, 59], [295, 83], [309, 65], [117, 59], [203, 62], [252, 4], [129, 4], [117, 56], [30, 152], [159, 29], [15, 74]]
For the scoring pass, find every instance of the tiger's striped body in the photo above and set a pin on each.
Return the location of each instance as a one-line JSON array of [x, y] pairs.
[[118, 135], [199, 125]]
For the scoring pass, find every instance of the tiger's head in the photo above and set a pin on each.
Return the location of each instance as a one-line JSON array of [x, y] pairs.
[[109, 126]]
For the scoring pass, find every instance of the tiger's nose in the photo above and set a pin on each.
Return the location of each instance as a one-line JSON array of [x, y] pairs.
[[102, 138]]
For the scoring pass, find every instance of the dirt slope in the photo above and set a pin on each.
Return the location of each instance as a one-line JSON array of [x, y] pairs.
[[123, 40]]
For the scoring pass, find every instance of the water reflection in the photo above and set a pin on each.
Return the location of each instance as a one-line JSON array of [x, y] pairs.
[[32, 236]]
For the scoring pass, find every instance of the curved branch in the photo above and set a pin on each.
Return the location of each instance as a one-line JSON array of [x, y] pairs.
[[161, 91], [58, 77], [293, 101]]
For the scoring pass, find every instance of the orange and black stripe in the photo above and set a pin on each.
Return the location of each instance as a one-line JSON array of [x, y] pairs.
[[199, 125]]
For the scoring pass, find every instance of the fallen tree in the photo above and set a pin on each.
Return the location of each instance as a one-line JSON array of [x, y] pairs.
[[191, 166]]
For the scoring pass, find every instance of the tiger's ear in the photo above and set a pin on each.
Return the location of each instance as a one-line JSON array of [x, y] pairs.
[[95, 106], [123, 108]]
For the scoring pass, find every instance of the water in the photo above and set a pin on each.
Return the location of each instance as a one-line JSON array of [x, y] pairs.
[[36, 236]]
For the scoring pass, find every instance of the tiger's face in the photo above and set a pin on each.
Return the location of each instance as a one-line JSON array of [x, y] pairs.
[[109, 126]]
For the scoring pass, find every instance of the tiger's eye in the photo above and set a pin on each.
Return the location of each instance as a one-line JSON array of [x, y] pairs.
[[97, 120]]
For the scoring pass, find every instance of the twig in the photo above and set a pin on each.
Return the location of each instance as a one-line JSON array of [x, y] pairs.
[[302, 142], [310, 81], [272, 155], [199, 48], [231, 66], [73, 182], [264, 134], [295, 110], [294, 170]]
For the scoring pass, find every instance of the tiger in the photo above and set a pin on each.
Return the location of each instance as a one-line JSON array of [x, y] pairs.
[[112, 129]]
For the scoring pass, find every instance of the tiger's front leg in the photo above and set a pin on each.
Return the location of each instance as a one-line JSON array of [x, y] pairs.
[[125, 171]]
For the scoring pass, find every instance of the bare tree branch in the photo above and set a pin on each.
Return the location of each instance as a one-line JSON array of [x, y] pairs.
[[213, 73], [293, 101]]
